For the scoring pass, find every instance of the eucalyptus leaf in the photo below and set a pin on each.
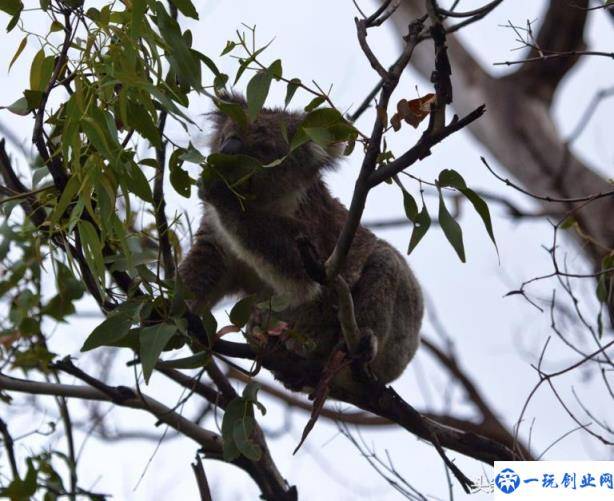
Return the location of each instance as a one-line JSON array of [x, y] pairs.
[[152, 340], [451, 229], [422, 223], [257, 91]]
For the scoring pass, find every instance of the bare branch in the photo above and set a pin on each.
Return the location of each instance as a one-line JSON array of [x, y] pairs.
[[201, 479], [127, 398], [10, 451], [561, 32]]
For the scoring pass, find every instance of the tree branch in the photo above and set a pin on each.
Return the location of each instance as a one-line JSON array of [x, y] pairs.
[[125, 397]]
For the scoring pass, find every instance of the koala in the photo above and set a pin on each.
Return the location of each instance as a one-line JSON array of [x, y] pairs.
[[247, 244]]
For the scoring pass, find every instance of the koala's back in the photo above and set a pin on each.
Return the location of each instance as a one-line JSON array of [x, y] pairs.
[[388, 277]]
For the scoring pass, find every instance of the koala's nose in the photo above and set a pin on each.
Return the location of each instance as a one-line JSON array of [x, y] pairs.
[[231, 146]]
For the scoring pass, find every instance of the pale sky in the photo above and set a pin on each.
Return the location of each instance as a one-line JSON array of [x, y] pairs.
[[496, 338]]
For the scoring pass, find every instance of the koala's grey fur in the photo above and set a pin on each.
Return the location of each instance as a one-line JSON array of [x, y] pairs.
[[252, 247]]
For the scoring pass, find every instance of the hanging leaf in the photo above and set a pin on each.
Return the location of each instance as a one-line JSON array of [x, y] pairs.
[[451, 229], [314, 103], [196, 361], [152, 340], [410, 206], [92, 248], [138, 118], [136, 182], [422, 223], [186, 7], [11, 7], [230, 45], [115, 327], [19, 107], [180, 179], [20, 48], [449, 177], [275, 69], [293, 85], [240, 313], [182, 58]]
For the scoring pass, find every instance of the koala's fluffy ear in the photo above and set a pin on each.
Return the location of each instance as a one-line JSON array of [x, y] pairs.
[[327, 158]]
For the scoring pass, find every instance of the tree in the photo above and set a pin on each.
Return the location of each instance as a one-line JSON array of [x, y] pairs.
[[103, 87]]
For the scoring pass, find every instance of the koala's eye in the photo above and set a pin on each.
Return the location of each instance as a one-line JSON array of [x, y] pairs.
[[231, 145]]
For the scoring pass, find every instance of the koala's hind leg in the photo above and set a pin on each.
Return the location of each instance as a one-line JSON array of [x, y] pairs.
[[388, 307]]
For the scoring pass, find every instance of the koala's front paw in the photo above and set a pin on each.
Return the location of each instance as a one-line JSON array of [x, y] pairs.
[[366, 350]]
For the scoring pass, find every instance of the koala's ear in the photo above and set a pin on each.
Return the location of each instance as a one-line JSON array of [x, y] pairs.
[[232, 97], [325, 158]]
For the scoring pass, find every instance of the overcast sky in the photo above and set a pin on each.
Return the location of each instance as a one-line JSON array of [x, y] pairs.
[[497, 338]]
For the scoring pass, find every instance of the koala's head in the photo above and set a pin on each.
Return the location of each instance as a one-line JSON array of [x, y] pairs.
[[267, 139]]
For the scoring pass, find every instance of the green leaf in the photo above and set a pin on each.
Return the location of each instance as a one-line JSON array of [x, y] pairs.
[[234, 111], [186, 7], [451, 229], [115, 327], [139, 118], [605, 282], [152, 340], [240, 313], [422, 223], [19, 107], [233, 413], [246, 62], [410, 206], [41, 70], [20, 48], [242, 432], [314, 103], [482, 209], [11, 7], [293, 85], [33, 98], [92, 248], [181, 57], [250, 393], [323, 117], [180, 179], [139, 8], [299, 138], [275, 69], [257, 91], [220, 81], [194, 156], [238, 427], [209, 63], [196, 361], [319, 135], [55, 27], [19, 489], [229, 46], [95, 132], [70, 190], [36, 70], [111, 330], [210, 324], [449, 177], [136, 182]]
